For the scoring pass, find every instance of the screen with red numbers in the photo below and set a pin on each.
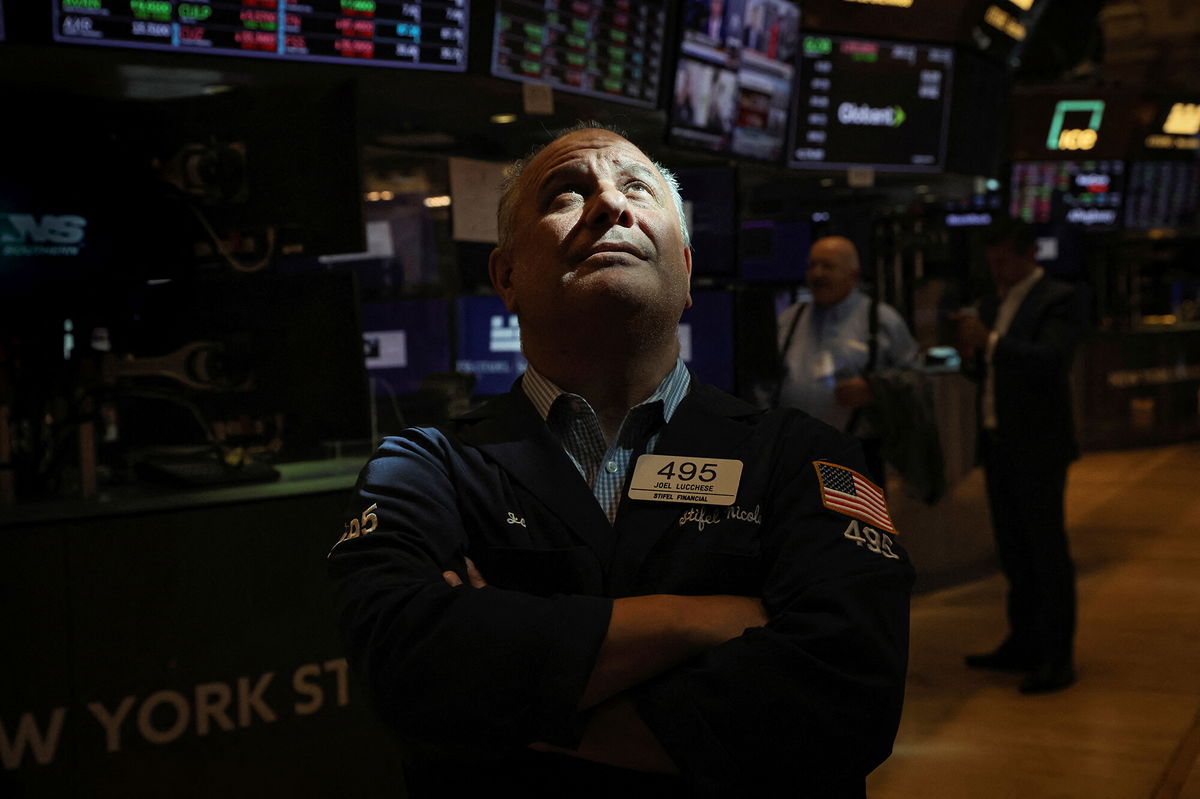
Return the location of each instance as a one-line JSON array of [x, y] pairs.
[[603, 48], [417, 34]]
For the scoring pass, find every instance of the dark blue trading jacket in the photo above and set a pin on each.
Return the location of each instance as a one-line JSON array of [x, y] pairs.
[[805, 706]]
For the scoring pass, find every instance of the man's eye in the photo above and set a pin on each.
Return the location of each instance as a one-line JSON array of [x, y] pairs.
[[638, 186], [566, 194]]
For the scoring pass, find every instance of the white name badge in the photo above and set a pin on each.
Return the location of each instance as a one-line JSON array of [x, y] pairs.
[[678, 478]]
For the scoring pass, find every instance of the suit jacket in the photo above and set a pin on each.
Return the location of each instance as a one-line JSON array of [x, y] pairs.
[[1032, 369], [811, 699]]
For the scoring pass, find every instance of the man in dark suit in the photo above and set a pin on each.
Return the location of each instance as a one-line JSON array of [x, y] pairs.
[[1020, 347], [615, 581]]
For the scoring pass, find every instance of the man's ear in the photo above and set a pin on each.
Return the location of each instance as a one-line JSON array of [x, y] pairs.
[[687, 263], [500, 271]]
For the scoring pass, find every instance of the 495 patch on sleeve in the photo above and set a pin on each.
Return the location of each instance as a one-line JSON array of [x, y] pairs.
[[846, 491]]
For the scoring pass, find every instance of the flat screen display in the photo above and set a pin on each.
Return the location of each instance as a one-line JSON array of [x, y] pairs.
[[1, 22], [706, 337], [602, 49], [733, 80], [421, 34], [489, 344], [870, 102], [1163, 194], [774, 250], [1083, 193], [403, 341]]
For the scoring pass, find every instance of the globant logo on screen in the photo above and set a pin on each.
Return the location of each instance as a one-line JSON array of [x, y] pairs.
[[891, 116], [27, 234]]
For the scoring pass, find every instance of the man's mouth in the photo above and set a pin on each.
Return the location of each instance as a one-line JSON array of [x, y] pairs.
[[625, 247]]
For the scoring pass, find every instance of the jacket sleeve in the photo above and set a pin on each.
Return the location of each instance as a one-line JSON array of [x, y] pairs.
[[1048, 355], [809, 704], [480, 668]]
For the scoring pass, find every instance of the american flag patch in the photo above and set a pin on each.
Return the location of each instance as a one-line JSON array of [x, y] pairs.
[[846, 491]]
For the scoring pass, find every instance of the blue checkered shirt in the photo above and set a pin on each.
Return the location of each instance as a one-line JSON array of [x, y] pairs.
[[573, 422]]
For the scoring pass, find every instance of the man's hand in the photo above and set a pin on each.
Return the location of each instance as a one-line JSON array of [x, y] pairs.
[[649, 634], [853, 392], [972, 333], [473, 576]]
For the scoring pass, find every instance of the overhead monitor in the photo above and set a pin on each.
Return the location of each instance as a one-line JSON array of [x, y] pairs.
[[706, 338], [1163, 194], [1175, 130], [1046, 124], [733, 79], [1079, 193], [945, 21], [867, 102], [611, 50], [403, 341], [774, 250], [420, 34], [489, 344]]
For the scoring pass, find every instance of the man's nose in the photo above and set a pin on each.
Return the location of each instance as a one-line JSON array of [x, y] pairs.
[[610, 208]]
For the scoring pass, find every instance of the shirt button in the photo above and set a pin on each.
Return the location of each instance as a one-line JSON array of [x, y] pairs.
[[611, 467]]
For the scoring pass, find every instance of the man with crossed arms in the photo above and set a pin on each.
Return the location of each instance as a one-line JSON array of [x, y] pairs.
[[531, 610]]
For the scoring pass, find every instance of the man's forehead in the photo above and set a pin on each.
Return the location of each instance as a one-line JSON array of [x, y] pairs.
[[580, 147], [829, 251]]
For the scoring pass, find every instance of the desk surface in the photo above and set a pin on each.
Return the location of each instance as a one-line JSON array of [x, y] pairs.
[[307, 477]]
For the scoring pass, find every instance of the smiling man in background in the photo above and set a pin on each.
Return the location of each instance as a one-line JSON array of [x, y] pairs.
[[615, 580], [830, 346]]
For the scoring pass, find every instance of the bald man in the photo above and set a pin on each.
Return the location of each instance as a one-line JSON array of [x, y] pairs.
[[826, 345], [615, 581]]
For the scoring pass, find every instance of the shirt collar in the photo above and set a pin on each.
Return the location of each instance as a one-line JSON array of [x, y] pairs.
[[1022, 288], [542, 392]]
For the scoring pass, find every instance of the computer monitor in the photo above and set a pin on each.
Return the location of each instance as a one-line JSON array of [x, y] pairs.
[[488, 344], [611, 51], [1086, 194], [404, 341], [774, 250], [1163, 194], [413, 34], [706, 338], [869, 102], [733, 79]]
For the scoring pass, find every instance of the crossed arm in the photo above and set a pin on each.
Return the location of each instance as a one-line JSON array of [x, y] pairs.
[[646, 636]]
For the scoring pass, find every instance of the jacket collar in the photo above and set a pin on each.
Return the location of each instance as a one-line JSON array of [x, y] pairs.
[[509, 431]]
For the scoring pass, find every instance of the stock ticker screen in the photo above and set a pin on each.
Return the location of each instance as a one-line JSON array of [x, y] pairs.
[[1163, 194], [417, 34], [733, 81], [1083, 193], [870, 103], [602, 48]]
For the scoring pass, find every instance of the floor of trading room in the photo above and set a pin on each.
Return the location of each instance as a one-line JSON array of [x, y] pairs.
[[1130, 726]]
